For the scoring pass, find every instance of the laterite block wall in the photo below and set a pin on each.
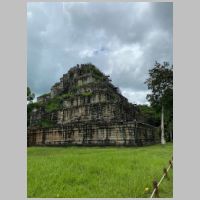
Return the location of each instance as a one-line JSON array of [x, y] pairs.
[[95, 134]]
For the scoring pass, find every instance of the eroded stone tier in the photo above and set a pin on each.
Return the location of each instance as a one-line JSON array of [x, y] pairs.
[[83, 108], [87, 95], [116, 133]]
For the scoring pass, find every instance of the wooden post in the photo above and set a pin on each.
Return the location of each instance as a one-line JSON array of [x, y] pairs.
[[155, 186], [165, 172], [170, 162]]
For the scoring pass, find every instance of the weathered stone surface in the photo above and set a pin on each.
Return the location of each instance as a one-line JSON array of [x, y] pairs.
[[95, 134], [44, 98], [84, 108]]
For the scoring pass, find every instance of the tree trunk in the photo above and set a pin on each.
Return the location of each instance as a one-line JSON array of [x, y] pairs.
[[162, 127]]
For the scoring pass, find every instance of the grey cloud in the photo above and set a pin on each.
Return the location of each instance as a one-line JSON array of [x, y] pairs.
[[122, 39]]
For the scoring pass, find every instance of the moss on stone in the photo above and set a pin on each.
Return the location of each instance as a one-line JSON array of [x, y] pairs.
[[54, 104], [87, 94], [44, 123], [66, 95]]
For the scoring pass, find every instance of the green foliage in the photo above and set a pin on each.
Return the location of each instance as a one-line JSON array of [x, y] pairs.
[[31, 106], [87, 94], [54, 104], [160, 82], [150, 115], [44, 123], [112, 95], [67, 95], [30, 95], [97, 74], [28, 91], [96, 172], [74, 89], [90, 68]]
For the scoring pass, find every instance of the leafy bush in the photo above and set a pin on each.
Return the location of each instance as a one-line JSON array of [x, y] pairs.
[[53, 104], [31, 106], [150, 115]]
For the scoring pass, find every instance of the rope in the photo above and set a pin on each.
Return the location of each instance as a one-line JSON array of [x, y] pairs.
[[159, 182], [152, 193]]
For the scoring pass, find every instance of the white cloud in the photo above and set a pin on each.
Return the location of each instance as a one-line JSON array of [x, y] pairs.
[[86, 53], [29, 14], [122, 39], [137, 97]]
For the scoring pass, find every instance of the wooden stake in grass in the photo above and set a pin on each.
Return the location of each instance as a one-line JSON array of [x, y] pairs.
[[165, 172], [155, 186], [170, 162]]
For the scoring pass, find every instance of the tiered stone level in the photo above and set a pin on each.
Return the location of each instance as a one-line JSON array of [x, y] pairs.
[[85, 108]]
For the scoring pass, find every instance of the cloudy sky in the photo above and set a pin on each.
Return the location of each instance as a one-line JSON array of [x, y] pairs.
[[122, 39]]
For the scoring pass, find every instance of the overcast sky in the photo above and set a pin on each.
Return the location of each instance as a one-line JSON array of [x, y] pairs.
[[122, 39]]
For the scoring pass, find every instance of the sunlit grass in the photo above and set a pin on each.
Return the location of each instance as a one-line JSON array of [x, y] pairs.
[[97, 171]]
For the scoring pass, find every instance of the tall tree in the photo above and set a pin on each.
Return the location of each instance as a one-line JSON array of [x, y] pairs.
[[160, 82]]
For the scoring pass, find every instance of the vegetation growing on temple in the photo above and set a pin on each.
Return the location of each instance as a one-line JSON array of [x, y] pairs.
[[84, 103], [53, 104]]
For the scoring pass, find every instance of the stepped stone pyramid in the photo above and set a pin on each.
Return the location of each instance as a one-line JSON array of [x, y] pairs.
[[85, 108]]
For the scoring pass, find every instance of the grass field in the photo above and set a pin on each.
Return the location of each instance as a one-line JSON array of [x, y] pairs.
[[97, 172]]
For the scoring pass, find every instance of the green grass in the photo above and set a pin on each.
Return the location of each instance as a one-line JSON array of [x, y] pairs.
[[97, 172]]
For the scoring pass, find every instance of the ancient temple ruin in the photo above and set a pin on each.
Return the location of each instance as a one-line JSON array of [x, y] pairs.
[[85, 108]]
